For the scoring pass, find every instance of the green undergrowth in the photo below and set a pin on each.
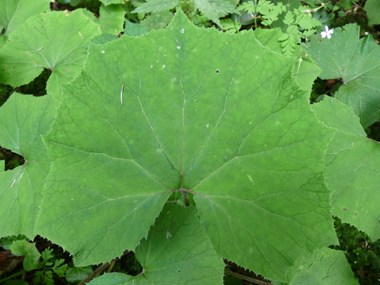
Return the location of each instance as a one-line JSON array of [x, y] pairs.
[[202, 142]]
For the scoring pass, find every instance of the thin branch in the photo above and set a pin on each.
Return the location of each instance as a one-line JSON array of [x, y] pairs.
[[246, 278], [93, 274]]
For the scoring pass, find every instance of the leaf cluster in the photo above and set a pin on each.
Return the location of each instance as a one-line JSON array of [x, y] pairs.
[[49, 267], [44, 264], [211, 9], [300, 25]]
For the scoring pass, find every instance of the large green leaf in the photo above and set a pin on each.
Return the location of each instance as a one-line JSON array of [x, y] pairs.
[[351, 168], [217, 116], [357, 62], [51, 41], [177, 251], [111, 19], [15, 12], [23, 118]]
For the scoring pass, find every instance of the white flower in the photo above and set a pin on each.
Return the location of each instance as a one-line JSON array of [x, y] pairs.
[[327, 33]]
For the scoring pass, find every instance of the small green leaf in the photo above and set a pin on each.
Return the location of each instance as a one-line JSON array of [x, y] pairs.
[[111, 18], [7, 241], [59, 268], [133, 29], [346, 4], [230, 26], [289, 18], [23, 247], [307, 22]]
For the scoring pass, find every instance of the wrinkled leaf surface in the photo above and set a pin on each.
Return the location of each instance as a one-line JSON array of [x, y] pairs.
[[217, 116]]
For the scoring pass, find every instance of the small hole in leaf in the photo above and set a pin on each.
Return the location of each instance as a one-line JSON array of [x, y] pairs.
[[217, 71]]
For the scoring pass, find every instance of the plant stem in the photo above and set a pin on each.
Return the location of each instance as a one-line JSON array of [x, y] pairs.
[[14, 275], [246, 278], [93, 274], [184, 193], [112, 265], [186, 198], [255, 15]]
